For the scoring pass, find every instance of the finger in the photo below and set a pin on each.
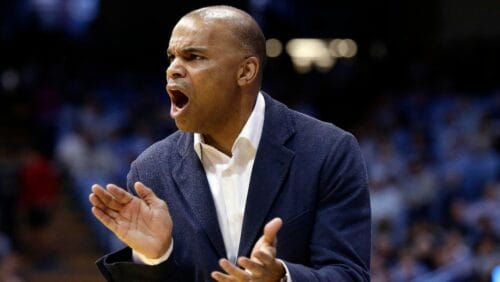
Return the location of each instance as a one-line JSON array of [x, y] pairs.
[[266, 255], [147, 194], [234, 271], [96, 202], [106, 198], [221, 277], [253, 266], [271, 230], [123, 197], [105, 219]]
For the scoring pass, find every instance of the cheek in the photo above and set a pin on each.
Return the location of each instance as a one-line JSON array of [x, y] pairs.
[[212, 84], [202, 80], [207, 86]]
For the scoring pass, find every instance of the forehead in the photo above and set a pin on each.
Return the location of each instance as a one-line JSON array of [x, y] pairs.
[[194, 32]]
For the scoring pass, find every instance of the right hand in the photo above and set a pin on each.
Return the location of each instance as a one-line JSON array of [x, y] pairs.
[[143, 223]]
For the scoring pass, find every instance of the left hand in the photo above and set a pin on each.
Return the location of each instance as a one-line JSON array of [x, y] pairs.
[[262, 264]]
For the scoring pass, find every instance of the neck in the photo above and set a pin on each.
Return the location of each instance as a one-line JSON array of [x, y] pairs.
[[224, 138], [222, 144]]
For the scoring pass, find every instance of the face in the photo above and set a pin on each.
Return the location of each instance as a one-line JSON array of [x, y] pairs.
[[202, 76]]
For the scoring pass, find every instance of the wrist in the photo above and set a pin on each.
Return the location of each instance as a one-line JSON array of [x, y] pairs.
[[167, 249], [285, 277], [142, 259]]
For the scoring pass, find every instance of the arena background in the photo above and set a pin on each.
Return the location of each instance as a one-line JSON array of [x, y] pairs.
[[82, 93]]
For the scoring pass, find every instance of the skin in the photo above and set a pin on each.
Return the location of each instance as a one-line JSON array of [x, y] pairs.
[[143, 223], [262, 264], [209, 66], [221, 80]]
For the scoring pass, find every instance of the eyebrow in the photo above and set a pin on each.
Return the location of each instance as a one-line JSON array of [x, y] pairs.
[[189, 50]]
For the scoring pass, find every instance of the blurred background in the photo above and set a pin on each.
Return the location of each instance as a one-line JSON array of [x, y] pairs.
[[417, 82]]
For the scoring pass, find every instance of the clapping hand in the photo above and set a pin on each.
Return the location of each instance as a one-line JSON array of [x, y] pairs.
[[262, 264], [143, 222]]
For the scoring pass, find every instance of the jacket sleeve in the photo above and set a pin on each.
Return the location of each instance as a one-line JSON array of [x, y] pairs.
[[341, 237], [118, 266]]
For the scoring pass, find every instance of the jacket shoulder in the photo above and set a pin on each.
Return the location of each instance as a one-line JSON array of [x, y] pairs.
[[160, 151], [308, 127]]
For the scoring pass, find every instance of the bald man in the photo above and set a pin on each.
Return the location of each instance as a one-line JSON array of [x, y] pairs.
[[247, 189]]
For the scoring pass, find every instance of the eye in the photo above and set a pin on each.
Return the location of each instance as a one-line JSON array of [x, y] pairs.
[[170, 58], [194, 57]]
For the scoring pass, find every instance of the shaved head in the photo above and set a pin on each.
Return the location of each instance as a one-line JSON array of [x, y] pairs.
[[243, 27]]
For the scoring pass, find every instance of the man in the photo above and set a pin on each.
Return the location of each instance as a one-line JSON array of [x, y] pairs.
[[198, 201]]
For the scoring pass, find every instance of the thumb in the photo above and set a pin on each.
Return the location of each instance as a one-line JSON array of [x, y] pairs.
[[145, 193], [271, 230]]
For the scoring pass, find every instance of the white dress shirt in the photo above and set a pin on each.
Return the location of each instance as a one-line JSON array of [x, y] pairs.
[[229, 177], [229, 180]]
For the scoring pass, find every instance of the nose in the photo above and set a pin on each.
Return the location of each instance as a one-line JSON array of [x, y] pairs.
[[175, 69]]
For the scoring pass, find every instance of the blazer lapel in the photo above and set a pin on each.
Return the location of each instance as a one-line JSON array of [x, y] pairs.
[[193, 185], [270, 168]]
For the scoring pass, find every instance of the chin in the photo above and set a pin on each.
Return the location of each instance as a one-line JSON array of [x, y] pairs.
[[183, 126]]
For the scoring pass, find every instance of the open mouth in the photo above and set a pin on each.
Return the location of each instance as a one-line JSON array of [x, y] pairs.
[[178, 98]]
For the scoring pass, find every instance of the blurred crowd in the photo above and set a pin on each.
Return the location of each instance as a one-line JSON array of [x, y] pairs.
[[433, 162], [434, 168], [60, 136]]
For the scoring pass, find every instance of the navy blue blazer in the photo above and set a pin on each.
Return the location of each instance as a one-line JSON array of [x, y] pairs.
[[308, 172]]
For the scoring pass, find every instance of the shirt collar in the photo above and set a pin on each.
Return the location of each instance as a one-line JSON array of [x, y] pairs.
[[252, 131]]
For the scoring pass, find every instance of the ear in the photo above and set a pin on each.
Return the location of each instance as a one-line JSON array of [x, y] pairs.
[[248, 70]]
